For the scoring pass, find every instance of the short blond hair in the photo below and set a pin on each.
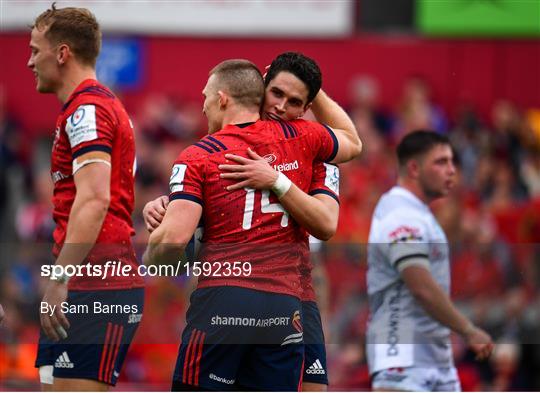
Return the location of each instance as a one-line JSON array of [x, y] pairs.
[[242, 80], [76, 27]]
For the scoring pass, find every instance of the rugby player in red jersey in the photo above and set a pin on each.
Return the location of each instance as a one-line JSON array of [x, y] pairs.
[[293, 86], [290, 92], [262, 307], [92, 166]]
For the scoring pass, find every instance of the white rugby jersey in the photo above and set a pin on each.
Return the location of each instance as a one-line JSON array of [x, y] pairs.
[[400, 332]]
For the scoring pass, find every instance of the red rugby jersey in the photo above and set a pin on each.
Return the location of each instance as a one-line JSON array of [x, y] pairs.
[[325, 181], [248, 225], [93, 119]]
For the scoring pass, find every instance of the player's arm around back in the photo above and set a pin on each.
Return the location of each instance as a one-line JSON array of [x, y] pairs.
[[318, 214], [438, 305], [154, 211], [318, 211], [329, 112]]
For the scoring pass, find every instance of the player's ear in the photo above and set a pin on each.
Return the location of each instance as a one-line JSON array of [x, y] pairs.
[[62, 53], [223, 99], [306, 108], [413, 168]]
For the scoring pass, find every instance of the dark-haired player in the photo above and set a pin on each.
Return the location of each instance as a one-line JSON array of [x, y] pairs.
[[92, 168], [408, 339], [243, 225], [292, 86]]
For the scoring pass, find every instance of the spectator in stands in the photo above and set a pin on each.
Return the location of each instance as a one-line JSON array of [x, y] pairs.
[[417, 111], [165, 118], [530, 171], [508, 141], [10, 135], [34, 221], [365, 109]]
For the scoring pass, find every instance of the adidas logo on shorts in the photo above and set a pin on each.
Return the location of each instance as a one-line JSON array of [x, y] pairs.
[[63, 361], [316, 368]]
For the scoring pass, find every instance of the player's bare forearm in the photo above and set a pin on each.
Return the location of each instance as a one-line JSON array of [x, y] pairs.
[[329, 112], [167, 243], [434, 300], [84, 225], [160, 251], [85, 222], [87, 213], [317, 214], [439, 306], [151, 254]]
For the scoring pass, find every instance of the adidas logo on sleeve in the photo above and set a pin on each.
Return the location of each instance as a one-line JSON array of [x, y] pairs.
[[316, 368], [63, 361]]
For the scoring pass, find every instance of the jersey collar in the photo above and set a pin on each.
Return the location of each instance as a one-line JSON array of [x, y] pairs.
[[85, 84], [402, 191], [239, 125]]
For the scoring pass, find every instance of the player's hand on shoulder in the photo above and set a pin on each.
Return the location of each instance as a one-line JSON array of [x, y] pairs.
[[154, 211], [480, 342], [253, 172]]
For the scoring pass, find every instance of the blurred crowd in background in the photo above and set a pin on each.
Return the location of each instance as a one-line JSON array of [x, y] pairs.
[[492, 221]]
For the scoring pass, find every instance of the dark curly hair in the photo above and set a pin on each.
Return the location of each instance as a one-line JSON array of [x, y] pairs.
[[302, 67]]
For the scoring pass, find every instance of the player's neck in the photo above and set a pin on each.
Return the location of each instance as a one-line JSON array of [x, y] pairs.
[[240, 116], [415, 189], [73, 78]]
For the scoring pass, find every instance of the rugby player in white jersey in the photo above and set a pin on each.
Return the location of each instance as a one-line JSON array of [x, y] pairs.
[[408, 338]]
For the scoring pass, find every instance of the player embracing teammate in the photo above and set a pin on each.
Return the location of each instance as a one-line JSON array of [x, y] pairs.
[[292, 86], [244, 224], [260, 186]]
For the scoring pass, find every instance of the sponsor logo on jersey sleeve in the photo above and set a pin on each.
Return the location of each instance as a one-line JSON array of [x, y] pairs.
[[332, 178], [81, 125], [176, 183]]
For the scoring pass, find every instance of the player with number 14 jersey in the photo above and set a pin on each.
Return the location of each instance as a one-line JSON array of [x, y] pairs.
[[248, 225]]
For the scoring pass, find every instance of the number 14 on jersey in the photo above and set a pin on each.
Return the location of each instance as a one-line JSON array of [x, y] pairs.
[[266, 207]]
